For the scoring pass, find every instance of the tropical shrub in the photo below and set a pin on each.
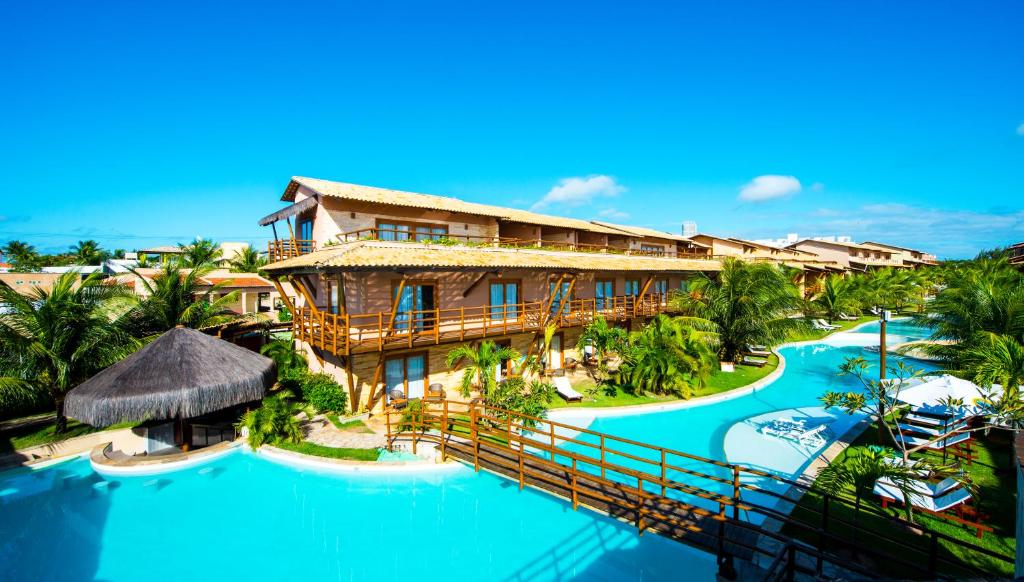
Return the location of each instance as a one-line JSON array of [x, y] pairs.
[[275, 421], [516, 395], [666, 357], [293, 380], [837, 295], [324, 394], [285, 355], [604, 339], [284, 315], [479, 364], [179, 297]]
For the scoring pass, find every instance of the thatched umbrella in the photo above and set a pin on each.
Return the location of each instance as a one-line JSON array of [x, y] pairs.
[[182, 374]]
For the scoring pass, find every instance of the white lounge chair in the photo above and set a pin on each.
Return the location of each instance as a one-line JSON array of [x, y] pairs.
[[826, 325], [748, 361], [758, 351], [909, 441], [932, 497], [565, 389], [795, 430], [845, 317]]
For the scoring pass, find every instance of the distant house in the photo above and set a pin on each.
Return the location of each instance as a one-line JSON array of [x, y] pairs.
[[850, 256], [912, 258], [1017, 254]]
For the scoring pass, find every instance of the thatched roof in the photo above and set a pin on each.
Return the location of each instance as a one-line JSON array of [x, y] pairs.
[[372, 255], [432, 202], [182, 374]]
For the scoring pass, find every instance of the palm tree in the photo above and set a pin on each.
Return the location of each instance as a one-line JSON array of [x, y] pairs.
[[837, 295], [480, 364], [177, 296], [996, 359], [23, 256], [284, 354], [52, 340], [747, 303], [247, 260], [667, 356], [87, 252], [603, 339], [275, 421], [859, 468], [200, 253]]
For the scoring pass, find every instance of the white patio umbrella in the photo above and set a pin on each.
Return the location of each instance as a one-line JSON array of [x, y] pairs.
[[932, 391]]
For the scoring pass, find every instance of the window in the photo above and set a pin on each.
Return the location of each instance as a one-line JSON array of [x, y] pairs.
[[395, 230], [649, 249], [334, 296], [661, 286], [504, 369], [504, 299], [306, 229], [632, 287], [604, 292], [405, 374], [263, 302], [556, 297], [415, 306]]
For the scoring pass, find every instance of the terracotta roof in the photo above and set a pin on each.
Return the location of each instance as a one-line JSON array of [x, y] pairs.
[[368, 255], [432, 202]]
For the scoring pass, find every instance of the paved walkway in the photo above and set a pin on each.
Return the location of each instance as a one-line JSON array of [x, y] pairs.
[[322, 432]]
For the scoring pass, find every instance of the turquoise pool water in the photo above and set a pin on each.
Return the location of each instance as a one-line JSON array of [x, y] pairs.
[[245, 518]]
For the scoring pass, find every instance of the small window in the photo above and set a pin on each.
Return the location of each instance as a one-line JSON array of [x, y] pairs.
[[649, 249], [632, 287]]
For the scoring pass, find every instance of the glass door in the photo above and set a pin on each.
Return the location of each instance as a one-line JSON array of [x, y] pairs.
[[416, 299], [556, 297], [604, 292], [504, 300]]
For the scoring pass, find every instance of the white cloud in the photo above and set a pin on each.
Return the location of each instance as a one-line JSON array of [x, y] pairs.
[[579, 190], [613, 214], [769, 187], [1020, 129]]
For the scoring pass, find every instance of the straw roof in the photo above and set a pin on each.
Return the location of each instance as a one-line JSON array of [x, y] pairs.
[[432, 202], [370, 255], [646, 232], [182, 374]]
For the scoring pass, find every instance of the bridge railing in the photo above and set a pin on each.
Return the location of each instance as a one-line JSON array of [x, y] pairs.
[[651, 476]]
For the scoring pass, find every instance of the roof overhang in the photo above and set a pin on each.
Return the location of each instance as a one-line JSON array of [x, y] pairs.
[[289, 211]]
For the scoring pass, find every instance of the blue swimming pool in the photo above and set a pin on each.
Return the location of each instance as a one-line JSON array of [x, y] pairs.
[[242, 516]]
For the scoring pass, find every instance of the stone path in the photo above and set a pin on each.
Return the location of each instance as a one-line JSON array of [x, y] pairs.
[[322, 432]]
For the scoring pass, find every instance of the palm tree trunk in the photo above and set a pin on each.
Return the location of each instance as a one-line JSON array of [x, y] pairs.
[[62, 421]]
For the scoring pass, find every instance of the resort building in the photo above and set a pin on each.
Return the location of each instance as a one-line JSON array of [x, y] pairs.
[[1017, 254], [850, 256], [389, 282], [911, 258], [256, 294]]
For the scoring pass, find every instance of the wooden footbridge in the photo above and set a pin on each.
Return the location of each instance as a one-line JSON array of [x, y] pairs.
[[743, 515]]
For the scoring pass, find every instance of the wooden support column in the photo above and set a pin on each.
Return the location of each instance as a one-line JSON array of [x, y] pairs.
[[640, 297], [284, 298], [379, 370]]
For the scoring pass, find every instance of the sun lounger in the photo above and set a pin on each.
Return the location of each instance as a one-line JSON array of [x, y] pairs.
[[936, 499], [758, 351], [931, 431], [845, 317], [565, 389], [929, 420], [795, 430], [748, 361], [825, 324], [910, 441]]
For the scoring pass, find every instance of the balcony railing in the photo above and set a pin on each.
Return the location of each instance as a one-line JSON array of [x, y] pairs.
[[343, 334], [424, 237], [279, 250]]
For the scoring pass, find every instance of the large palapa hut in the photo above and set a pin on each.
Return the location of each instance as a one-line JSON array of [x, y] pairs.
[[182, 375]]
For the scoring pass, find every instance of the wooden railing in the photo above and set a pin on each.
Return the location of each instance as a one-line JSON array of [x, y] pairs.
[[341, 334], [723, 507], [385, 234], [279, 250]]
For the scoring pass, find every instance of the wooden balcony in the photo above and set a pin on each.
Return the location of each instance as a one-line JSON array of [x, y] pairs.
[[343, 334], [279, 250], [394, 235]]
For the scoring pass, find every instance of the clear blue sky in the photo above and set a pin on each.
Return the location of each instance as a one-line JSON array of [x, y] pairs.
[[138, 124]]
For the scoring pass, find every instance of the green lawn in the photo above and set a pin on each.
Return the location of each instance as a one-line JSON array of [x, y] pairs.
[[313, 449], [994, 477], [18, 439], [719, 382], [356, 425]]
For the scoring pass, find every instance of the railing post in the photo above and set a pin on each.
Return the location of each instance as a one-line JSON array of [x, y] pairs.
[[575, 497], [417, 423], [522, 468], [387, 417], [380, 330], [462, 323], [474, 437], [663, 475], [437, 326], [602, 457], [933, 555], [639, 505], [444, 427], [736, 492]]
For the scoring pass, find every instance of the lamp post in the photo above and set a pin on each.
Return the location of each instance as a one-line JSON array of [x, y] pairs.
[[883, 317]]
